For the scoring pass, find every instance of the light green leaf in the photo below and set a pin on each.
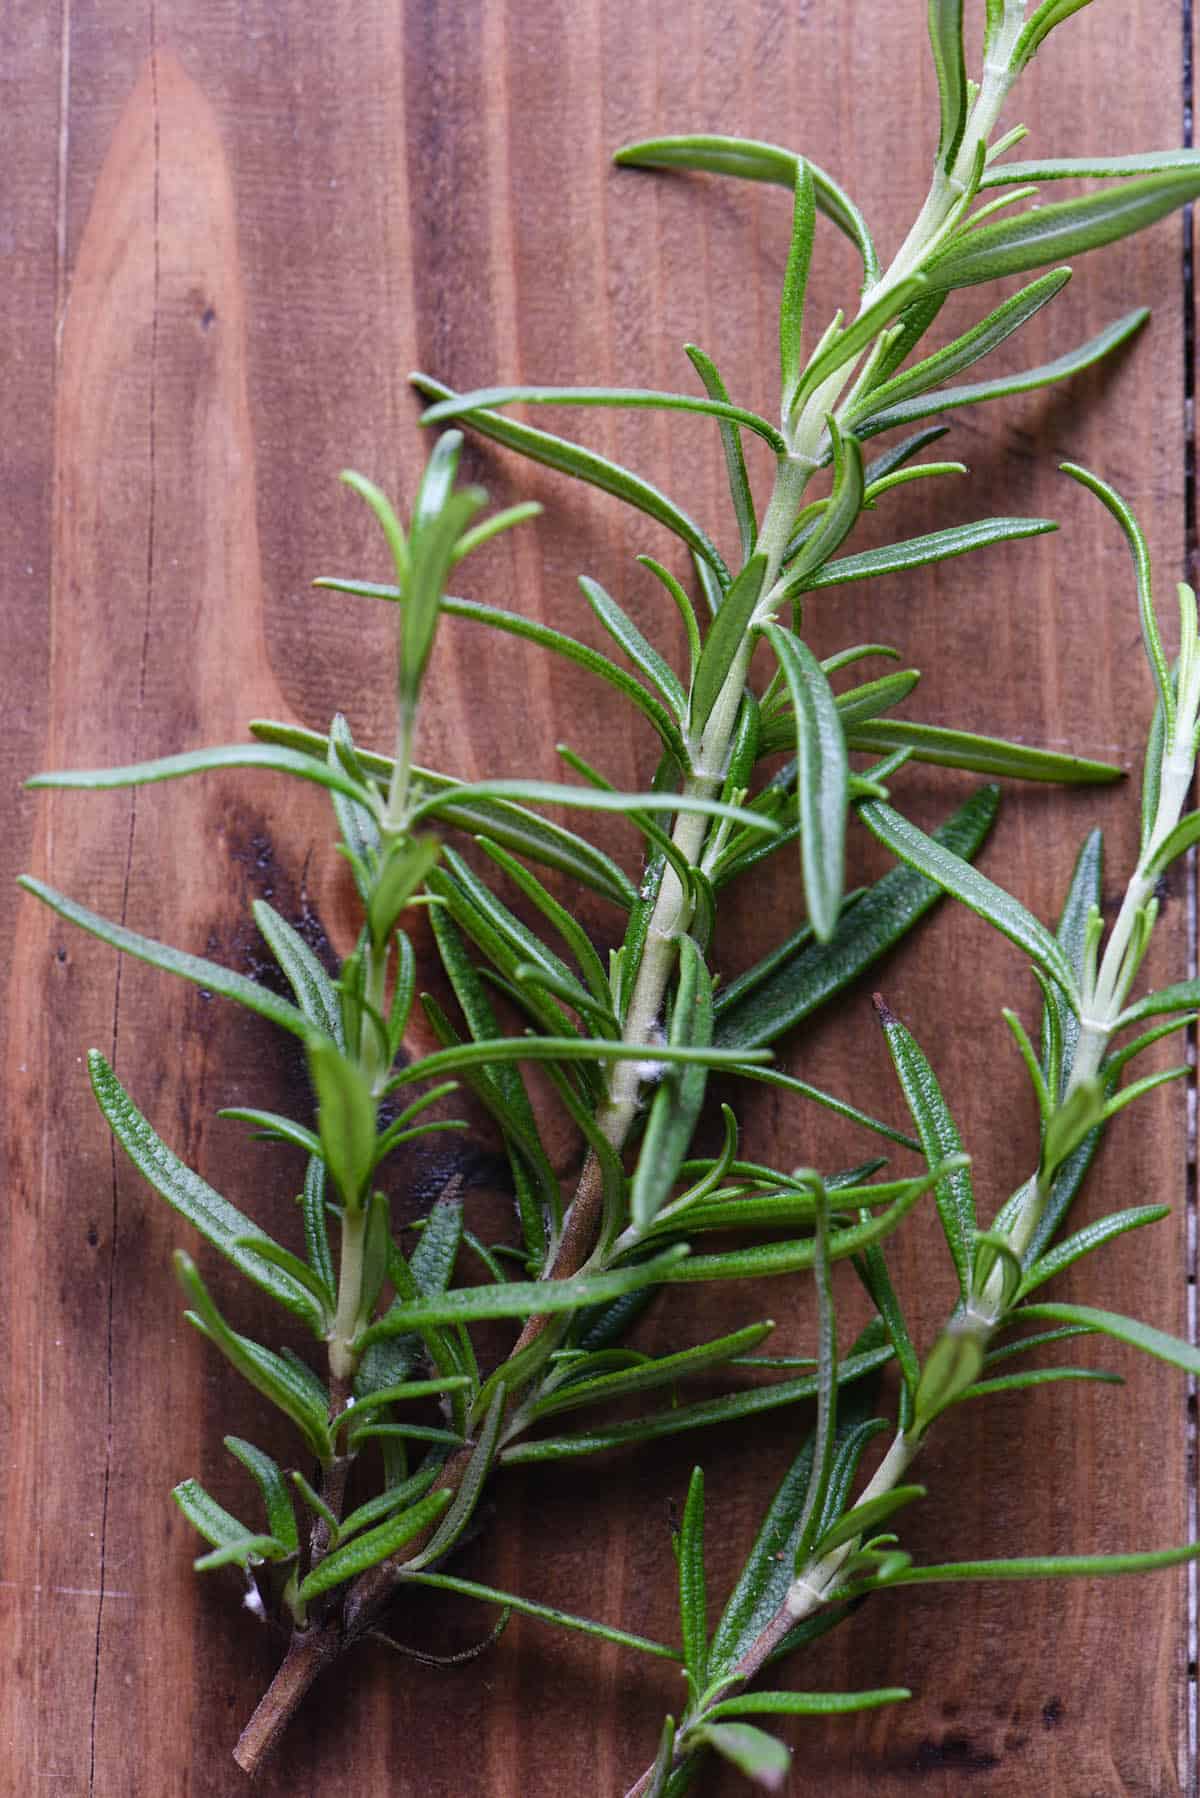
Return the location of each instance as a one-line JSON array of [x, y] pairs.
[[206, 761], [681, 1418], [761, 1757], [1078, 168], [975, 393], [443, 1582], [1125, 1329], [754, 161], [491, 398], [345, 1118], [822, 778], [521, 1298], [207, 974], [864, 1518], [918, 552], [806, 1704], [1067, 228], [726, 636], [966, 350], [980, 755], [975, 890], [584, 465], [219, 1222], [287, 1383], [676, 1106]]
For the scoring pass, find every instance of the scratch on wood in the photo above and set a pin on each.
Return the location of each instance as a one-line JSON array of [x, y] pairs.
[[151, 447]]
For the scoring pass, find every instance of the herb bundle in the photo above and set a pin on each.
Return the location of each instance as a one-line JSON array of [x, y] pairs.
[[410, 1415]]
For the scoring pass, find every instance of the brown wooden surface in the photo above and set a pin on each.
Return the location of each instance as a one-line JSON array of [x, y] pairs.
[[230, 231]]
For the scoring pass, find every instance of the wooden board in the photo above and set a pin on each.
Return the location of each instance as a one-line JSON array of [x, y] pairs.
[[231, 232]]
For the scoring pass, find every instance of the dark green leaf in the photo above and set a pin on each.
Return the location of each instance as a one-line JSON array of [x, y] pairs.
[[795, 283], [1092, 1236], [693, 1593], [692, 1417], [946, 42], [372, 1546], [314, 990], [642, 654], [865, 932]]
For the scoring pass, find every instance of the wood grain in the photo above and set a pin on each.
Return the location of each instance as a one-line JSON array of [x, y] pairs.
[[232, 230]]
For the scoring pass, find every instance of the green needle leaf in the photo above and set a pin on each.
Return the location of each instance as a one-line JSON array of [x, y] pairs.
[[373, 1546], [975, 393], [521, 1298], [219, 1222], [735, 466], [980, 755], [726, 636], [822, 778], [206, 761], [1125, 1329], [286, 1382], [444, 1582], [754, 161], [797, 985], [939, 1138], [1055, 233], [490, 398], [584, 465], [975, 890], [693, 1595], [806, 1704], [795, 283], [946, 42], [345, 1118], [1041, 1567], [207, 974], [918, 552]]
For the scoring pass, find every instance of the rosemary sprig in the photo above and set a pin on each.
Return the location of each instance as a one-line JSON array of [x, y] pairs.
[[407, 1402]]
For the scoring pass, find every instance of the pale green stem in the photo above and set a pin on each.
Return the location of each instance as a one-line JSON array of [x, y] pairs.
[[814, 1583], [348, 1316]]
